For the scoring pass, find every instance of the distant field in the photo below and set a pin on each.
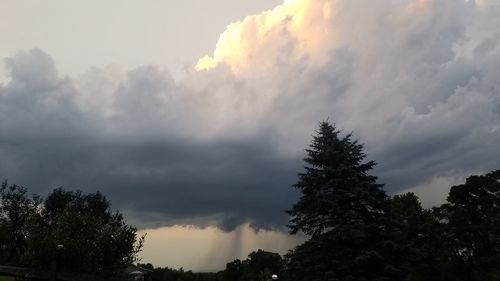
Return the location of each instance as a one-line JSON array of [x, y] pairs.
[[6, 278]]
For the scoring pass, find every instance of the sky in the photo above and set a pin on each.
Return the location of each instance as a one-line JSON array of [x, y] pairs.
[[193, 116]]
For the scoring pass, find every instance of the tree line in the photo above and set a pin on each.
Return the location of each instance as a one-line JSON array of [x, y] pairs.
[[259, 265], [356, 232]]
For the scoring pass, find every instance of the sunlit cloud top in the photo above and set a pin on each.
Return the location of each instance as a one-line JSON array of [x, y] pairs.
[[298, 18]]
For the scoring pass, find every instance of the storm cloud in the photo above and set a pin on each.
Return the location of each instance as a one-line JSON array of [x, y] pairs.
[[416, 81]]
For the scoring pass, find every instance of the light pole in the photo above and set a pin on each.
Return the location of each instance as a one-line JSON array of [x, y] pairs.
[[60, 247], [274, 277], [55, 263]]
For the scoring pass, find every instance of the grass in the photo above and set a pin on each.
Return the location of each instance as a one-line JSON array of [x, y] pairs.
[[6, 278]]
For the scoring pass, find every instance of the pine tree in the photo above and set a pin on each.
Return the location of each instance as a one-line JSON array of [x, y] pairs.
[[344, 211]]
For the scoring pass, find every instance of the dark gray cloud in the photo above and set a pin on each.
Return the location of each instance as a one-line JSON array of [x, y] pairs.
[[148, 169], [223, 146]]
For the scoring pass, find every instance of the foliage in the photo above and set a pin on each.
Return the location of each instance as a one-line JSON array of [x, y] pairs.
[[259, 266], [93, 238], [471, 217], [16, 211], [344, 211], [235, 270], [336, 188], [78, 231], [422, 236], [169, 274], [357, 233]]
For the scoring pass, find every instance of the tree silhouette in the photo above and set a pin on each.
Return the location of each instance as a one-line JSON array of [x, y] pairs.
[[344, 211], [78, 230], [472, 219]]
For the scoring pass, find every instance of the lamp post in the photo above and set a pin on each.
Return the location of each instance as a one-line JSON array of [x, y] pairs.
[[274, 277], [56, 263], [60, 248]]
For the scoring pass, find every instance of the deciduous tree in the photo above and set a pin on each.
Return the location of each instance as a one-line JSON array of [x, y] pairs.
[[16, 211], [472, 219], [82, 232]]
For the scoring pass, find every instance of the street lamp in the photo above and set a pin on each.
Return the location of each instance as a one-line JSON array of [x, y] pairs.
[[55, 263], [60, 248], [274, 277]]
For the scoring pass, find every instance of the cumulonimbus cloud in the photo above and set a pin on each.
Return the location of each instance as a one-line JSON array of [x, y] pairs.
[[416, 80]]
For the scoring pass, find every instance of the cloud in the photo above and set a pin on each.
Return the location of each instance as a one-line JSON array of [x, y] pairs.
[[417, 81]]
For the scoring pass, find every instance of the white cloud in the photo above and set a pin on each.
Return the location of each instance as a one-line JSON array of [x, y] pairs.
[[416, 80]]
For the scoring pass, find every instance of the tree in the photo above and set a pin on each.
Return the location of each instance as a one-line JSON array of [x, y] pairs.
[[259, 266], [262, 265], [78, 230], [82, 233], [234, 271], [472, 220], [344, 211], [422, 236], [169, 274], [16, 210]]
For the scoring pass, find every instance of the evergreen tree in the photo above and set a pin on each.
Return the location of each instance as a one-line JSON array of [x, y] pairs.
[[344, 211]]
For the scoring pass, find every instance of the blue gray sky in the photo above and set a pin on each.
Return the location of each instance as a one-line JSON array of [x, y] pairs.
[[193, 117]]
